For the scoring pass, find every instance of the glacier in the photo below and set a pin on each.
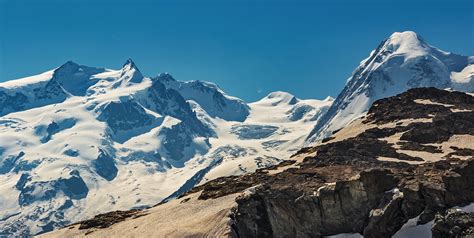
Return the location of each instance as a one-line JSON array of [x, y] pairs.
[[79, 140]]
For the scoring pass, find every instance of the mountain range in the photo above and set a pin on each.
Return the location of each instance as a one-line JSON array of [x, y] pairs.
[[77, 141], [405, 169]]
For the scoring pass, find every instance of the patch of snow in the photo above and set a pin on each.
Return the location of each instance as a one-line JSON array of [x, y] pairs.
[[411, 230]]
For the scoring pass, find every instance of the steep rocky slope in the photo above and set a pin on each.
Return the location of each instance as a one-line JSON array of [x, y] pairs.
[[395, 172]]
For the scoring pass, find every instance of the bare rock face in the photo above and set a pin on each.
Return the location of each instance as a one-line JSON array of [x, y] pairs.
[[387, 217], [453, 224], [376, 204]]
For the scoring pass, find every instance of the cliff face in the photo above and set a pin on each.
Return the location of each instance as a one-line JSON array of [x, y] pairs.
[[376, 204], [410, 159]]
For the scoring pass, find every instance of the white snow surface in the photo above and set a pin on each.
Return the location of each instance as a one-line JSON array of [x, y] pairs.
[[35, 79], [112, 143], [267, 136], [401, 62]]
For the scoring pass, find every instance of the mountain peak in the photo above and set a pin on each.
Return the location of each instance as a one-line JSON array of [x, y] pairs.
[[129, 63], [279, 94], [67, 68], [165, 77], [68, 65], [130, 72], [281, 97], [402, 61], [328, 99], [406, 42], [70, 62], [405, 35]]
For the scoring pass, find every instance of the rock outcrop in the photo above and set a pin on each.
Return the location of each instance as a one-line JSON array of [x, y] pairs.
[[453, 224]]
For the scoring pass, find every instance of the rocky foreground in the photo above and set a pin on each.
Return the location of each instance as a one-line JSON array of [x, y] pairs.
[[411, 158]]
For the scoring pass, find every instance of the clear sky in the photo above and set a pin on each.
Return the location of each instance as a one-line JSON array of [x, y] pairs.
[[249, 48]]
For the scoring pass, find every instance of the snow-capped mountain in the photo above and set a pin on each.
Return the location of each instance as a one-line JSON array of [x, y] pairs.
[[210, 97], [401, 62], [77, 141]]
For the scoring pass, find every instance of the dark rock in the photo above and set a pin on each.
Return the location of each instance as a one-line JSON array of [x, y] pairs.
[[404, 145], [433, 195], [74, 187], [460, 152], [12, 103], [228, 185], [390, 109], [178, 137], [107, 219], [105, 166], [377, 132], [359, 150], [327, 139], [167, 101], [22, 181], [25, 165], [221, 106], [9, 162], [55, 127], [387, 218], [302, 211], [255, 223], [453, 223], [125, 115], [459, 184], [426, 133], [402, 156]]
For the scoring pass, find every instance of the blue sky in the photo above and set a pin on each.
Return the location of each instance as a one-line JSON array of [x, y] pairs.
[[249, 48]]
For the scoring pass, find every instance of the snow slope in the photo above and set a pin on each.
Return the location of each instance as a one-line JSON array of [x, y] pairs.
[[401, 62], [275, 128], [77, 141]]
